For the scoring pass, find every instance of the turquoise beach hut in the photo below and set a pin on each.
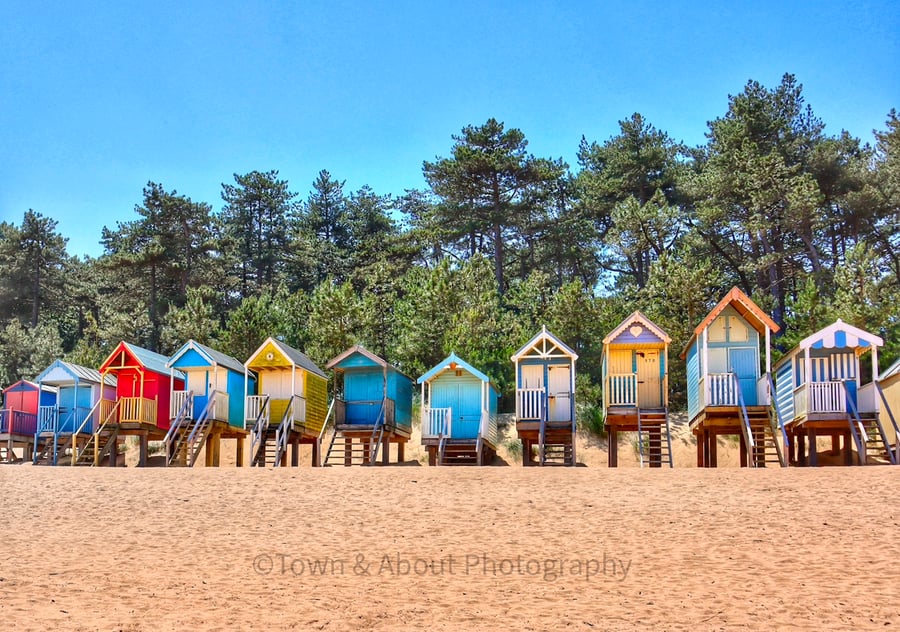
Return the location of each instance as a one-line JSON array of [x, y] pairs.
[[459, 414]]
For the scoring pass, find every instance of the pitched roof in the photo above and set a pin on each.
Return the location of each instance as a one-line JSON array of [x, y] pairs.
[[212, 356], [546, 336], [361, 350], [150, 360], [743, 305], [297, 357], [79, 373], [891, 371], [840, 334], [637, 316], [457, 362]]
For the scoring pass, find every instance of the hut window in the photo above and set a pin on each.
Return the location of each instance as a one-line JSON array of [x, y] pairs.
[[717, 330], [738, 330], [458, 372]]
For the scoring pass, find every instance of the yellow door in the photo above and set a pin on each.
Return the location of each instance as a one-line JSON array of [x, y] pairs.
[[649, 392]]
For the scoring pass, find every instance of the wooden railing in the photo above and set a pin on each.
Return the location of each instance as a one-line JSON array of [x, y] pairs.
[[178, 399], [722, 389], [18, 422], [48, 419], [219, 406], [437, 422], [622, 389], [529, 403], [819, 397], [137, 409], [763, 395], [109, 411], [253, 405]]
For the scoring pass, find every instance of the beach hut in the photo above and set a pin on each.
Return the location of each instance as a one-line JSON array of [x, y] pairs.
[[372, 408], [635, 378], [727, 392], [888, 388], [820, 391], [290, 407], [139, 407], [209, 408], [74, 416], [19, 417], [545, 399], [459, 414]]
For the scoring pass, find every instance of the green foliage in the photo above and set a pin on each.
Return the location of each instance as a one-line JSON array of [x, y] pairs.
[[501, 243], [26, 351]]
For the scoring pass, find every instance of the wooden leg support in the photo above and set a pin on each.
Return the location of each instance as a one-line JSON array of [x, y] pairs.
[[613, 455], [401, 452], [239, 455], [813, 456]]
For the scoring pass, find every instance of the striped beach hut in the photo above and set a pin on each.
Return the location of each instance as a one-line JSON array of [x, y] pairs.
[[727, 392], [820, 391], [459, 414]]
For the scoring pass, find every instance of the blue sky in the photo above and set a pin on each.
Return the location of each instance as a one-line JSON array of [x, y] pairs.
[[97, 98]]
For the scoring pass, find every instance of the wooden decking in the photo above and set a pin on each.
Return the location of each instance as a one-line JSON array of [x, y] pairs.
[[714, 421]]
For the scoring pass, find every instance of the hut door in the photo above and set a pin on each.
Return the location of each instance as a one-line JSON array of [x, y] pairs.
[[744, 362], [649, 392], [560, 393]]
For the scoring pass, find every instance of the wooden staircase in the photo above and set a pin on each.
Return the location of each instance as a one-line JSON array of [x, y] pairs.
[[654, 449], [267, 454], [459, 452], [766, 447], [186, 436], [97, 447], [363, 452], [46, 449], [877, 449], [868, 434], [556, 446]]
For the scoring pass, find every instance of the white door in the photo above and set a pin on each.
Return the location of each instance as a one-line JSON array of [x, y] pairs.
[[560, 393]]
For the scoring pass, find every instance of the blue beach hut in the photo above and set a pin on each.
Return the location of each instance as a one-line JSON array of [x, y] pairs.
[[209, 406], [459, 414], [372, 408]]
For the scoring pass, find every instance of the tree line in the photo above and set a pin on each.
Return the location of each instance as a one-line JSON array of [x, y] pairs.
[[498, 243]]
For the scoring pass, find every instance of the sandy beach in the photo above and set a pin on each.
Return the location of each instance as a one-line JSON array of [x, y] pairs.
[[448, 548]]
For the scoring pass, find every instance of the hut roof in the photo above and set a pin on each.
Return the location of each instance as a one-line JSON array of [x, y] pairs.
[[452, 362], [556, 346], [77, 372], [210, 354], [639, 317]]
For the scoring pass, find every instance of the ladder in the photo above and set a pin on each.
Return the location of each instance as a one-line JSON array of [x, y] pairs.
[[868, 434], [363, 452], [656, 449]]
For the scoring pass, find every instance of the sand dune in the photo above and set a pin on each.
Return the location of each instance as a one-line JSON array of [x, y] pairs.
[[448, 548]]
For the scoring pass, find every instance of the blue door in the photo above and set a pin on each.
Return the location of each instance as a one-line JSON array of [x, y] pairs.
[[464, 398], [743, 362], [363, 394]]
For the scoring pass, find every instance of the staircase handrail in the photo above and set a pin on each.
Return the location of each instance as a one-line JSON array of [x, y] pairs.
[[94, 435], [282, 432], [860, 437], [377, 433], [776, 422], [174, 438], [669, 436], [259, 428], [328, 416], [200, 426], [896, 452], [542, 433], [745, 422]]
